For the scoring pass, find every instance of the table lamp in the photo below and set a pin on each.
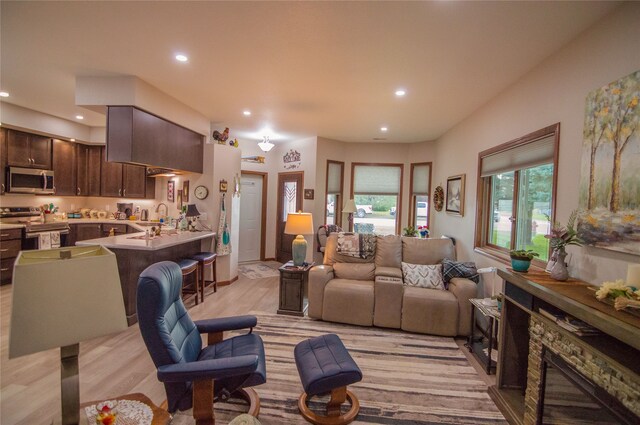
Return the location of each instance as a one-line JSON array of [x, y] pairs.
[[192, 215], [60, 297], [299, 224], [350, 208]]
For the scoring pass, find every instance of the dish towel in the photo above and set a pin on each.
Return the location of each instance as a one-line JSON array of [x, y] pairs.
[[44, 240], [224, 237], [55, 239]]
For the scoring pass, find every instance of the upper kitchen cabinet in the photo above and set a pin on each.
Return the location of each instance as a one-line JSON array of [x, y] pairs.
[[138, 137], [28, 150], [64, 167], [133, 181], [110, 177], [3, 160], [88, 170], [123, 180]]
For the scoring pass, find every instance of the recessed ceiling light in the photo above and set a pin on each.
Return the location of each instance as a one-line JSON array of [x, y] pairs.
[[72, 140], [246, 112], [79, 117], [400, 92], [383, 129], [181, 58], [4, 94]]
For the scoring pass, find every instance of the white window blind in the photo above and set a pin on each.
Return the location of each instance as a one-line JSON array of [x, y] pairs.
[[376, 179], [334, 178], [420, 179], [537, 152]]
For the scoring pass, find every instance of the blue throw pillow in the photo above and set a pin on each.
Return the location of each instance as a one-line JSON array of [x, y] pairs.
[[451, 269]]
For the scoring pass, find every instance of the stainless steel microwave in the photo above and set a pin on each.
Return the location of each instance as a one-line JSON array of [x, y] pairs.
[[31, 180]]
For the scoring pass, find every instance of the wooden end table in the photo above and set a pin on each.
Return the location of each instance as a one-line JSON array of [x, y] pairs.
[[294, 289], [160, 416], [475, 343]]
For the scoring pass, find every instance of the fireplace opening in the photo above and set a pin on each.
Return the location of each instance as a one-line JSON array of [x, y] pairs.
[[569, 398]]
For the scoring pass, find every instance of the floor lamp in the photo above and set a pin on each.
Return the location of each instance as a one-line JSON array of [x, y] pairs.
[[61, 297], [350, 208]]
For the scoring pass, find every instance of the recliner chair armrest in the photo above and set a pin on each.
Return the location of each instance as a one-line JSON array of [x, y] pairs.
[[463, 289], [208, 369], [222, 324], [319, 276]]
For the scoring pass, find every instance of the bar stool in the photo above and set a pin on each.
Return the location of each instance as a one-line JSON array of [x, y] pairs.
[[204, 259], [188, 266]]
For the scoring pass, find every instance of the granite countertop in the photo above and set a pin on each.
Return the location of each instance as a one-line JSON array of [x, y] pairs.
[[135, 242]]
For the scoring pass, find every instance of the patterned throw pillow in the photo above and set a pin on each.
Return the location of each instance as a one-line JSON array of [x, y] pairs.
[[423, 276], [451, 269]]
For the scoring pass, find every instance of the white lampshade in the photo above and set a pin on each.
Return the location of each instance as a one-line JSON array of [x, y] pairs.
[[350, 206], [63, 296], [299, 224]]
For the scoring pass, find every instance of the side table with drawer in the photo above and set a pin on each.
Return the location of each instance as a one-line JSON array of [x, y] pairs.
[[10, 245], [293, 289]]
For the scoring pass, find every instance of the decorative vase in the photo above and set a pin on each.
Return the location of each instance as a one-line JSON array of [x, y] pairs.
[[559, 270], [520, 264]]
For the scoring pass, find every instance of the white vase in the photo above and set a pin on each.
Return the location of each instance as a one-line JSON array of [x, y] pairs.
[[559, 270]]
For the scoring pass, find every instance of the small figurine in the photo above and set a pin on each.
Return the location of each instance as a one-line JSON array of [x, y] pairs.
[[221, 137], [233, 143]]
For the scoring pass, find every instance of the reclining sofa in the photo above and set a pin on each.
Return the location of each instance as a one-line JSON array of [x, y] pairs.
[[370, 292]]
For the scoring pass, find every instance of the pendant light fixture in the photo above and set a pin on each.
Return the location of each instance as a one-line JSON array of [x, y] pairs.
[[266, 145]]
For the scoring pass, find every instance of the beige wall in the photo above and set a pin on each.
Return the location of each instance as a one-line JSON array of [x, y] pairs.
[[553, 92]]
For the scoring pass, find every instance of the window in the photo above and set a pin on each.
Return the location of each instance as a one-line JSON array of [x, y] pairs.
[[420, 189], [335, 176], [516, 194], [376, 189]]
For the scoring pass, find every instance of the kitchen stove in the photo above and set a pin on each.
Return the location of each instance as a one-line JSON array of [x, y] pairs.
[[31, 219]]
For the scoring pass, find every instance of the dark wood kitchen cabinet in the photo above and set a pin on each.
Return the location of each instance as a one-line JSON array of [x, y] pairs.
[[28, 150], [84, 231], [88, 170], [11, 245], [122, 180], [64, 167], [134, 179], [150, 190], [3, 160], [110, 177]]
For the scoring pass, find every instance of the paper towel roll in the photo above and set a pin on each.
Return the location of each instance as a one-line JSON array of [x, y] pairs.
[[633, 275]]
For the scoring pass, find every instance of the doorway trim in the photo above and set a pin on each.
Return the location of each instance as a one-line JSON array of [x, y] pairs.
[[263, 218], [279, 206]]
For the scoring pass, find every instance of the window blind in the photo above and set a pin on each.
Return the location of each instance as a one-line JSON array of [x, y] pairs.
[[376, 179], [528, 155], [334, 178], [420, 179]]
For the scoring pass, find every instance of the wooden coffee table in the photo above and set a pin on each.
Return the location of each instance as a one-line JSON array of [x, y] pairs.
[[160, 416]]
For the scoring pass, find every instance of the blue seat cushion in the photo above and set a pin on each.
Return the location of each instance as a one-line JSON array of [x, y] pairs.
[[186, 263], [249, 344], [204, 256], [325, 364]]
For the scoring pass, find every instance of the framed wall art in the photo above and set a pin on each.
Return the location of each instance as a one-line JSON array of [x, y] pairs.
[[179, 199], [308, 193], [455, 195], [185, 191], [171, 191]]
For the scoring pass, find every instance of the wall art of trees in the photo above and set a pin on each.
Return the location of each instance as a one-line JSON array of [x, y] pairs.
[[610, 169]]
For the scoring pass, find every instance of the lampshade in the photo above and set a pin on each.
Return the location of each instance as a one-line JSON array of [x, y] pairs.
[[266, 145], [192, 211], [299, 224], [350, 206], [59, 302]]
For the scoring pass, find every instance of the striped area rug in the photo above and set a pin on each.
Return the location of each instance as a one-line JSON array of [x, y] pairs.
[[408, 378]]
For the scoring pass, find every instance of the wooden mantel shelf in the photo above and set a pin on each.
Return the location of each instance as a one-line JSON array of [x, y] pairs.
[[577, 298]]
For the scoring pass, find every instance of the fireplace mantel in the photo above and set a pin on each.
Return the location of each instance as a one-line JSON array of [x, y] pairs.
[[609, 361]]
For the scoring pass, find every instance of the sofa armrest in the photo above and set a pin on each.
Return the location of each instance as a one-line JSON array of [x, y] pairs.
[[463, 289], [388, 272], [319, 276]]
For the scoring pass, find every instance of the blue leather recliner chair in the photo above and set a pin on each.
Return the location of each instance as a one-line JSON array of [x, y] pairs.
[[193, 375]]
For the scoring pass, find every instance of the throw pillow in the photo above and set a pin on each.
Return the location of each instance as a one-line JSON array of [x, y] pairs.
[[451, 269], [423, 276]]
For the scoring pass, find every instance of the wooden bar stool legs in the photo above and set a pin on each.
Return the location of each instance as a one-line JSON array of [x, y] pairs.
[[205, 259], [188, 266]]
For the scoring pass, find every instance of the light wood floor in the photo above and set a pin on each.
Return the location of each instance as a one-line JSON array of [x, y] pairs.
[[114, 365]]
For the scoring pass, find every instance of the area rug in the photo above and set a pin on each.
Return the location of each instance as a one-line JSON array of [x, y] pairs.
[[408, 378], [259, 270]]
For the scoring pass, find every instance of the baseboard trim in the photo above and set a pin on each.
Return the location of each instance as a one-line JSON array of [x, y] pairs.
[[269, 259], [227, 282]]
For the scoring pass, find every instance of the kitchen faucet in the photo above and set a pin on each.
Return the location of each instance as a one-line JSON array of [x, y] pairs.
[[166, 210]]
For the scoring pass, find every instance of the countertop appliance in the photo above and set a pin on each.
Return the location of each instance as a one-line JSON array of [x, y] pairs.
[[31, 180], [144, 215], [31, 218], [125, 207]]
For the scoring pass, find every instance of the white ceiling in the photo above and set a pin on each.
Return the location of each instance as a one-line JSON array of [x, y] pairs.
[[304, 69]]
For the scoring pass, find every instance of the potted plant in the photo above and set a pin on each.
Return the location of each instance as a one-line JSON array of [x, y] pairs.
[[561, 237], [409, 231], [521, 259]]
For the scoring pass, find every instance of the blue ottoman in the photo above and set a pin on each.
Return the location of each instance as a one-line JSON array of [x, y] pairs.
[[325, 366]]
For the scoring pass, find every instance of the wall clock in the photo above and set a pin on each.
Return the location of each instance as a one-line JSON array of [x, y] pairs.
[[438, 198], [201, 192]]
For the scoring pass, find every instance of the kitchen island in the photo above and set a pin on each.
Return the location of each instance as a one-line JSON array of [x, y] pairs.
[[134, 253]]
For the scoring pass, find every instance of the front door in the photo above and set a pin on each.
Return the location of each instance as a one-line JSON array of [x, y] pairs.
[[250, 218], [289, 201]]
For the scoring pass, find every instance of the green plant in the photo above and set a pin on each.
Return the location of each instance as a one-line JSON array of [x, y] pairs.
[[523, 254], [562, 236], [409, 231]]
